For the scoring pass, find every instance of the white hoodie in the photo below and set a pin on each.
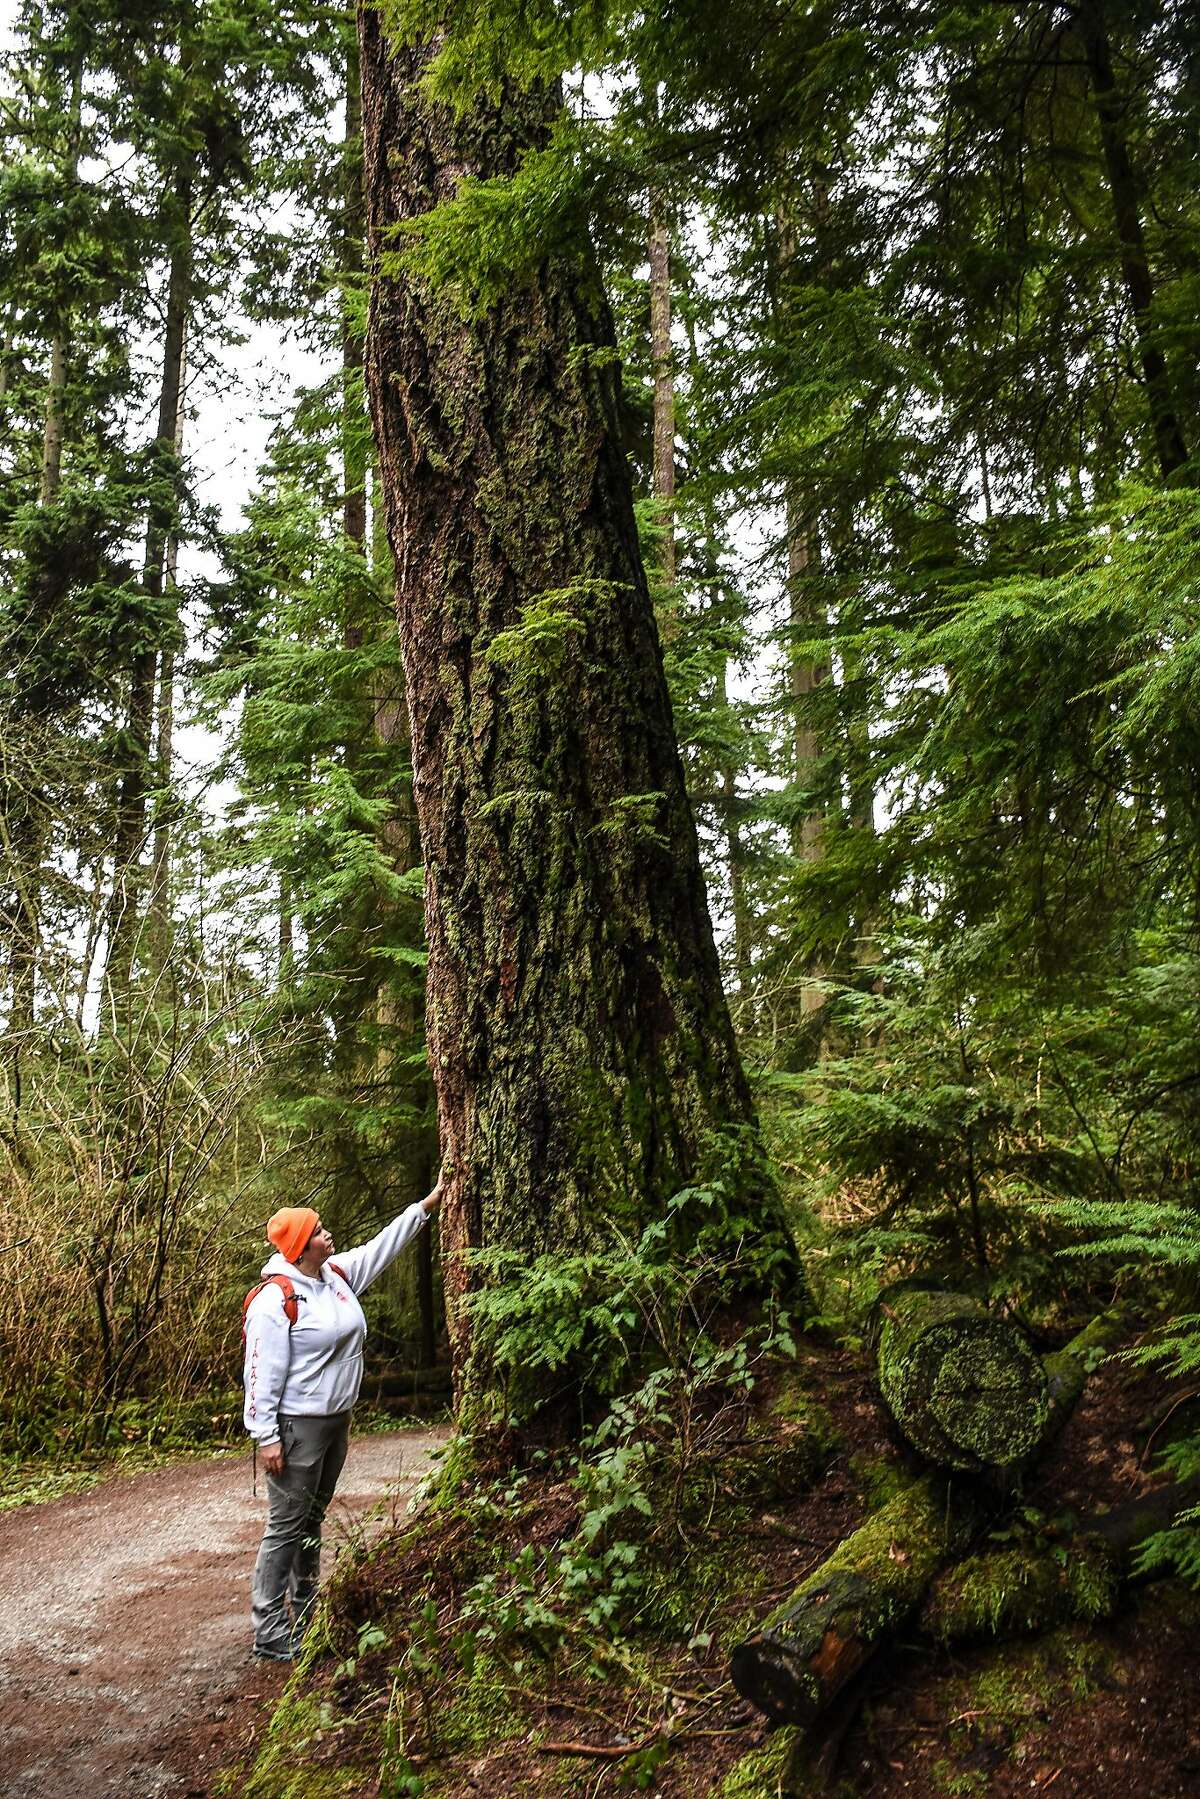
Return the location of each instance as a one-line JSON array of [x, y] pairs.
[[314, 1367]]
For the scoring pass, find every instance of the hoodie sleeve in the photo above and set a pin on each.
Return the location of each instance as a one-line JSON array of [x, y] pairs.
[[268, 1355], [362, 1265]]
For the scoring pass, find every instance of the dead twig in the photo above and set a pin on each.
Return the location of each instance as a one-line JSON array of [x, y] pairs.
[[601, 1751]]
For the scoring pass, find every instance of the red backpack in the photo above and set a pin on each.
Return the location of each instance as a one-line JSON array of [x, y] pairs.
[[291, 1303]]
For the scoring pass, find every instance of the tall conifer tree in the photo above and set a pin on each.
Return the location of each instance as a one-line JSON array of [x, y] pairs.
[[579, 1038]]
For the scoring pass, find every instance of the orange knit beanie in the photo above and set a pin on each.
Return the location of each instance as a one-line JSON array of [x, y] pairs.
[[290, 1229]]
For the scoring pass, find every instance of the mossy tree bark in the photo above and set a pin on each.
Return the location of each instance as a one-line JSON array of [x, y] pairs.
[[585, 1063]]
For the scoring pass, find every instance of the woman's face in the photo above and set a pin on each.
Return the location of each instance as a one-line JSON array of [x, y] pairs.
[[319, 1247]]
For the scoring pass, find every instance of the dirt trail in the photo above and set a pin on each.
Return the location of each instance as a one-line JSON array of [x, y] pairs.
[[124, 1640]]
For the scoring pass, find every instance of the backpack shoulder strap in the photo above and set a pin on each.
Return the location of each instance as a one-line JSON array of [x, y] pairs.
[[339, 1270], [291, 1305]]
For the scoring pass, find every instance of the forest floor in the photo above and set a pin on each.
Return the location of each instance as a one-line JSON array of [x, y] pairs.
[[124, 1640], [1084, 1711]]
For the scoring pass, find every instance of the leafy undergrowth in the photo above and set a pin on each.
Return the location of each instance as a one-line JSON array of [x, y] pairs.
[[142, 1436], [138, 1436], [548, 1630]]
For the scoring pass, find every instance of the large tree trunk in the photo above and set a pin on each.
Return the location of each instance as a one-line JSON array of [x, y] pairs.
[[54, 431], [735, 860], [584, 1059]]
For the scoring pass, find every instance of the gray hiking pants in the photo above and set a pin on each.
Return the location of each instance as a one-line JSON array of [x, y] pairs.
[[289, 1558]]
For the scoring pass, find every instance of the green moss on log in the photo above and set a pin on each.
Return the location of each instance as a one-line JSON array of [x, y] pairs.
[[811, 1645], [966, 1388], [763, 1773], [1012, 1592]]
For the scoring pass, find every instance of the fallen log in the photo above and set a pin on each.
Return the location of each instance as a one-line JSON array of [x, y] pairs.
[[1032, 1587], [1124, 1528], [392, 1382], [1014, 1592], [965, 1386], [810, 1646], [1067, 1370], [817, 1639]]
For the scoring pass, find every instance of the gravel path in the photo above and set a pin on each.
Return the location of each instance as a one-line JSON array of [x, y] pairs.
[[124, 1638]]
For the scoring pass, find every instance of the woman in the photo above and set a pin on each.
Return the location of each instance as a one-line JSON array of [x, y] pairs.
[[304, 1357]]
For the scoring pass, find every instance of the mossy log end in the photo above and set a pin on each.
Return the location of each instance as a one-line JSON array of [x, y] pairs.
[[807, 1650], [965, 1387]]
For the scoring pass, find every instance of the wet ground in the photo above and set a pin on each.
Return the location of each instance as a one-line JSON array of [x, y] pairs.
[[125, 1663]]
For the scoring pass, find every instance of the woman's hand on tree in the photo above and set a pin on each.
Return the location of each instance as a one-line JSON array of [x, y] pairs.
[[432, 1200]]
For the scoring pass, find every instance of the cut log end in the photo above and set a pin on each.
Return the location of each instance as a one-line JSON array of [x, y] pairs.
[[766, 1672], [967, 1389]]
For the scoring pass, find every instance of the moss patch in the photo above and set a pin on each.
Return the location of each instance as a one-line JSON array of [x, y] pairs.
[[1013, 1591], [290, 1763], [763, 1773]]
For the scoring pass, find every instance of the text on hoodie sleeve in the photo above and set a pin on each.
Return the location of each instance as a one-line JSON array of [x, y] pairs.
[[268, 1353]]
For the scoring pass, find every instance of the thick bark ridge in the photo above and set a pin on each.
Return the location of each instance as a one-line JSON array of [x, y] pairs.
[[579, 1036]]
